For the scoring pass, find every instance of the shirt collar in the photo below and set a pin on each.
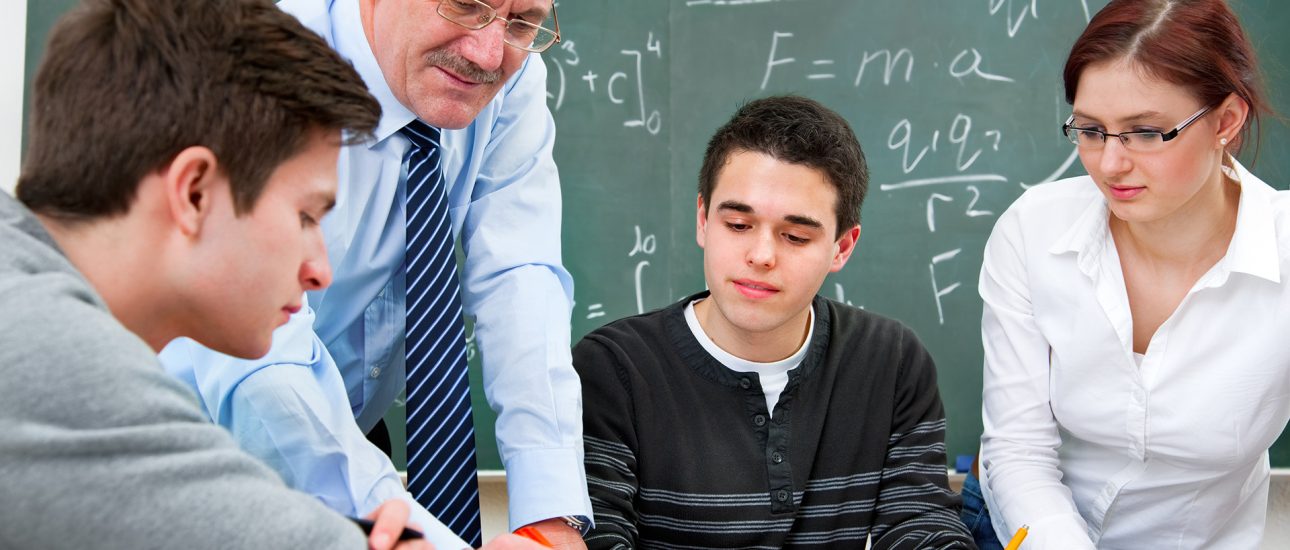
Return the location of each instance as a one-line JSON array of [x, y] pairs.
[[352, 44], [1087, 236], [1253, 250]]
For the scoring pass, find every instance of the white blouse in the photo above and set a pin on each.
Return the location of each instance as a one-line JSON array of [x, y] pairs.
[[1092, 449]]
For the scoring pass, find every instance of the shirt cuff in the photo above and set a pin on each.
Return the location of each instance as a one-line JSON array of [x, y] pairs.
[[544, 484]]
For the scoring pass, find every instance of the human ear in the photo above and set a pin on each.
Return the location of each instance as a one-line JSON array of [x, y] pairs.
[[701, 223], [1232, 114], [189, 182], [845, 246]]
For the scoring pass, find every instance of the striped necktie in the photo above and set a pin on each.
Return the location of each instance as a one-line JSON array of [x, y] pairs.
[[440, 431]]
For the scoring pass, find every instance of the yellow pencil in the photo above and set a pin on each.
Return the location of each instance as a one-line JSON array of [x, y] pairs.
[[1015, 543]]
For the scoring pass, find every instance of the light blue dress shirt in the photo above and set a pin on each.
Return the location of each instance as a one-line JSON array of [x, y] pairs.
[[341, 358]]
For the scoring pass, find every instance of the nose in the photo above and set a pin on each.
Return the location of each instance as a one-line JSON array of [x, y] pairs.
[[761, 253], [315, 270], [485, 47], [1115, 158]]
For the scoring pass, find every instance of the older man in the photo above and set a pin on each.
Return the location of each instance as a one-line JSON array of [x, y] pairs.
[[462, 153]]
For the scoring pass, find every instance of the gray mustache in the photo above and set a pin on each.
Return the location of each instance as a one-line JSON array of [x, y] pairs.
[[462, 66]]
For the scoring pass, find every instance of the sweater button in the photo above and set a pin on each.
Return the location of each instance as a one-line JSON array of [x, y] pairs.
[[759, 420], [781, 495], [745, 383], [776, 457]]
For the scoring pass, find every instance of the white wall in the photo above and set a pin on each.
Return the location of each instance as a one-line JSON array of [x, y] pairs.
[[13, 37]]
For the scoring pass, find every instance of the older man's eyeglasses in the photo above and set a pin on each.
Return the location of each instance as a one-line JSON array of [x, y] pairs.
[[1145, 141], [521, 33]]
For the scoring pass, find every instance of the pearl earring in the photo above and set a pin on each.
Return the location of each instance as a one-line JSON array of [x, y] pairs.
[[1222, 141]]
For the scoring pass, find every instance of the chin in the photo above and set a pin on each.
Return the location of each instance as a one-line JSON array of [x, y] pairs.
[[449, 114], [244, 349], [255, 352], [1131, 213], [752, 321]]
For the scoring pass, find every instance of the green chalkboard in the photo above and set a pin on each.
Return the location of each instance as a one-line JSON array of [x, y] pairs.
[[957, 105], [41, 15]]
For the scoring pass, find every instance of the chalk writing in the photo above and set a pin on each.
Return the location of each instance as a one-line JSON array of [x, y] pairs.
[[960, 69], [1016, 18], [645, 245], [959, 134], [937, 291], [620, 87], [897, 65], [891, 61], [841, 295], [772, 62]]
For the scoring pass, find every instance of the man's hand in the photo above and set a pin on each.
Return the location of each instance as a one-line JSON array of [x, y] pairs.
[[388, 522], [560, 534]]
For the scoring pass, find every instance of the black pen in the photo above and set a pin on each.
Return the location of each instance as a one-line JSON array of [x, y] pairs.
[[407, 534]]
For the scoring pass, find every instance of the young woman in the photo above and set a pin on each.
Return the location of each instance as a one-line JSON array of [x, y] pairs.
[[1137, 320]]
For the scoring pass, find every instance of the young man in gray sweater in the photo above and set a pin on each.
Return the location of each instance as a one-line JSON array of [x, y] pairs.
[[180, 155]]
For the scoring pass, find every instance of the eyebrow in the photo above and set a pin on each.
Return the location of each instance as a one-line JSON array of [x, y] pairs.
[[736, 206], [532, 14], [324, 199], [804, 220], [1137, 117], [795, 219], [538, 10]]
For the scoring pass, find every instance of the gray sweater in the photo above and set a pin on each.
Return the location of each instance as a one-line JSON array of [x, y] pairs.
[[100, 448]]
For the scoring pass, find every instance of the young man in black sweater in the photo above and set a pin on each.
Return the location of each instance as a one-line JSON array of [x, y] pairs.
[[757, 414]]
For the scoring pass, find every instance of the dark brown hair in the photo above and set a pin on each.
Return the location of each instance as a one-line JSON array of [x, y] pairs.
[[125, 85], [1196, 44], [795, 130]]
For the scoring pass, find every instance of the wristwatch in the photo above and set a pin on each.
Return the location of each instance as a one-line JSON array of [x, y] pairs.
[[577, 523]]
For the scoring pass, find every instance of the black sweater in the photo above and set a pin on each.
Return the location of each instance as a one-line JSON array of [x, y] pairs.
[[681, 453]]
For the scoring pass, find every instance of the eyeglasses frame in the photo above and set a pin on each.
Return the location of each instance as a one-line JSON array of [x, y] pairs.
[[1122, 136], [494, 17]]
